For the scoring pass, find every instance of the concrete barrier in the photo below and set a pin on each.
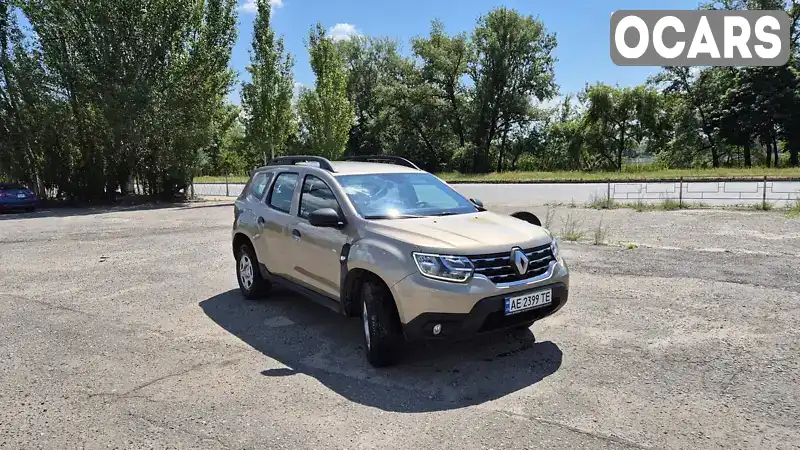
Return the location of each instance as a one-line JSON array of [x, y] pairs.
[[711, 193]]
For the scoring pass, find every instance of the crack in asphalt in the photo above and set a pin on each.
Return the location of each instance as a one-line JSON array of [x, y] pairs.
[[139, 387], [593, 434], [58, 307], [164, 425]]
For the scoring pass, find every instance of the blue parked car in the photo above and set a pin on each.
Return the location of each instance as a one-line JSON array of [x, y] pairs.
[[17, 196]]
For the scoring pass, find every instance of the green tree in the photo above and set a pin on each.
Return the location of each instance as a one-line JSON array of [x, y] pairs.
[[513, 63], [370, 64], [325, 111], [267, 99], [620, 120], [445, 61], [701, 93], [132, 86], [563, 138]]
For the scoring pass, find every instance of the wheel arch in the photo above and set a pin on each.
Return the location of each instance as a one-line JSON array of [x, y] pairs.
[[351, 289], [527, 217], [240, 239]]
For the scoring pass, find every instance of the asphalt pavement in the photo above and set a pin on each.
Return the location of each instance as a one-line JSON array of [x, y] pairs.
[[124, 329]]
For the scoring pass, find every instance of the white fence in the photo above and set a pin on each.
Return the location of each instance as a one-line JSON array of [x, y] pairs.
[[777, 193]]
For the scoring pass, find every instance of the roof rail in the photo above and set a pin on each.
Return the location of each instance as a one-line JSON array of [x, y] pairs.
[[293, 160], [384, 159]]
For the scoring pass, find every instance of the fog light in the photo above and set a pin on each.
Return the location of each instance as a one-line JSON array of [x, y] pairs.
[[437, 329]]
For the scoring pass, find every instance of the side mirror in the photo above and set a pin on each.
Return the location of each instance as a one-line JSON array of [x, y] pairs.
[[477, 202], [325, 217]]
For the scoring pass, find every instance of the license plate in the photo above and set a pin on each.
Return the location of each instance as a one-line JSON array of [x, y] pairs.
[[20, 195], [528, 301]]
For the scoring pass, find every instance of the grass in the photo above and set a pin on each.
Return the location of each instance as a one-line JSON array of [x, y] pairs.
[[571, 228], [216, 179], [670, 204], [632, 246], [630, 175], [640, 206], [794, 210], [600, 233], [603, 202], [548, 217], [626, 175], [765, 206]]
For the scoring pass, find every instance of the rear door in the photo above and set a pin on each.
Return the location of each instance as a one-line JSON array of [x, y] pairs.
[[279, 215]]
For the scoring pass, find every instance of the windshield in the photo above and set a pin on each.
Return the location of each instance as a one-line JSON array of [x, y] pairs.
[[403, 195]]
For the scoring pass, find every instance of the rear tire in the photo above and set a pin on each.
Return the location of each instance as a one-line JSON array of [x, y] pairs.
[[251, 284], [383, 335]]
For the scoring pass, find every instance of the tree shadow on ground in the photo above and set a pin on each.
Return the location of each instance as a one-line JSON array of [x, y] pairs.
[[315, 341], [46, 210]]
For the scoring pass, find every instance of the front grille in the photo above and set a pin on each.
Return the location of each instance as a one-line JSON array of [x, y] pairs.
[[497, 266]]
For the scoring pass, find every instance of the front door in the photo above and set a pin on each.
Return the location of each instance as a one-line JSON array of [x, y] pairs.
[[316, 250]]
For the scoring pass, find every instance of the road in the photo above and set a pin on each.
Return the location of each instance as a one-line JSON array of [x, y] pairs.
[[123, 329]]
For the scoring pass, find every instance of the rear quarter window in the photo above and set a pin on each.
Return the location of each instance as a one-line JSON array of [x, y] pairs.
[[259, 184], [256, 186]]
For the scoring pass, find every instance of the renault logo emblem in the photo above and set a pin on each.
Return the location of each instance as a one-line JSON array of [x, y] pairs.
[[519, 261]]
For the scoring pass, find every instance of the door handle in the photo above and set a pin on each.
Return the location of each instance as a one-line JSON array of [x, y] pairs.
[[295, 235]]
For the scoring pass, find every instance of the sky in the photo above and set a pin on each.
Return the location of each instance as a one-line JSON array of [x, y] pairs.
[[581, 28]]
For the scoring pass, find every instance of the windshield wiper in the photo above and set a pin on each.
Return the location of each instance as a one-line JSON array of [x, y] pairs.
[[397, 216]]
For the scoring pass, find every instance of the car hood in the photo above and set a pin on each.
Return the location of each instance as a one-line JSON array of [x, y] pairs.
[[476, 233]]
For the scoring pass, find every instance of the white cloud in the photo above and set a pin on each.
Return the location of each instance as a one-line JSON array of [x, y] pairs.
[[249, 6], [298, 87], [554, 102], [343, 31]]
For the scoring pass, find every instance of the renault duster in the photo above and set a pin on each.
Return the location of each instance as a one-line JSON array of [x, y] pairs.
[[396, 246]]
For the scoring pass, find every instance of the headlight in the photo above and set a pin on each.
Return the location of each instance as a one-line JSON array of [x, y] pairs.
[[554, 249], [443, 267]]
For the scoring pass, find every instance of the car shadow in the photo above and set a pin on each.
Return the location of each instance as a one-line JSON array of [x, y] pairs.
[[315, 341]]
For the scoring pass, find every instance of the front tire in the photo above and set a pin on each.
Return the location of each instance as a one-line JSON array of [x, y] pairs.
[[383, 335], [525, 326], [251, 284]]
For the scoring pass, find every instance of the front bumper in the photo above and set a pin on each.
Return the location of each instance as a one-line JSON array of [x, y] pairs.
[[471, 308], [486, 316]]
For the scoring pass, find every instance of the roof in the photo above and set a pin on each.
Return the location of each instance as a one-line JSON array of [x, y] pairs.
[[360, 164], [353, 167]]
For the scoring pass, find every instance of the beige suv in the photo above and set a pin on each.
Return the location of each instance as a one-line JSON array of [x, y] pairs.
[[396, 246]]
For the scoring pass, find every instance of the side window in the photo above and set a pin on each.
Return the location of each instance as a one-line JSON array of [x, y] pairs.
[[316, 195], [259, 184], [282, 191]]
